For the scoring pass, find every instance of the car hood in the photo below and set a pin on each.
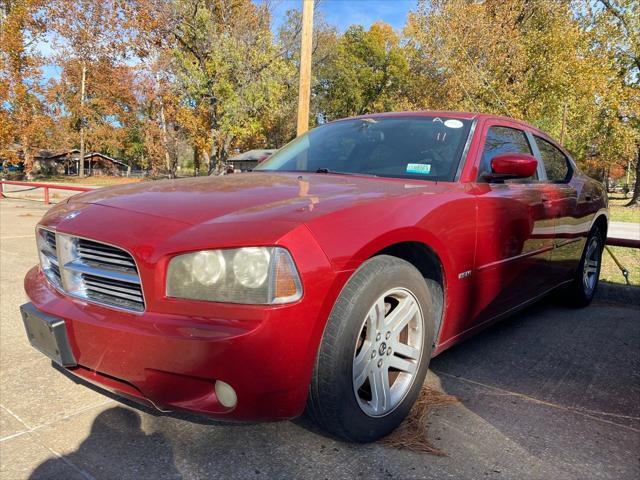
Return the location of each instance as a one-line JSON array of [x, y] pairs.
[[254, 196]]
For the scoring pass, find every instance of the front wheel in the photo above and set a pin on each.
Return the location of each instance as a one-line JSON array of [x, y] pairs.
[[375, 350]]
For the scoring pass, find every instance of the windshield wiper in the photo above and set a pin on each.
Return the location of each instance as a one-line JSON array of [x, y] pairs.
[[335, 172]]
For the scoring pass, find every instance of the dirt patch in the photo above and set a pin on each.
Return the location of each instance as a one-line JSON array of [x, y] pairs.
[[412, 433]]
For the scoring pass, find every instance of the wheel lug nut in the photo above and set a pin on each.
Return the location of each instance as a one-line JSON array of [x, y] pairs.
[[378, 337], [379, 363], [387, 335], [373, 354], [389, 351]]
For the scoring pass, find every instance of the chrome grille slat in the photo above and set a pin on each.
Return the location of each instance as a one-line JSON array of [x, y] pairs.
[[82, 243], [99, 272], [101, 253], [115, 286], [81, 267], [135, 298], [52, 258], [51, 239], [99, 258], [55, 270]]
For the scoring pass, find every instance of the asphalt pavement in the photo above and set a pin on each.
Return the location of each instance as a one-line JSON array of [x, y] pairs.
[[550, 393]]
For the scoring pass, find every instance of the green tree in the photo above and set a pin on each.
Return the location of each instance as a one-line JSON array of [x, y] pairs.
[[616, 27], [368, 72], [528, 60], [228, 71]]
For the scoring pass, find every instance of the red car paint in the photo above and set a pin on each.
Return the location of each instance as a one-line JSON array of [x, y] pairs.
[[500, 247]]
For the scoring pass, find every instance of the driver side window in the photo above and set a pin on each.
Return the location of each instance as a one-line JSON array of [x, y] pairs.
[[503, 140]]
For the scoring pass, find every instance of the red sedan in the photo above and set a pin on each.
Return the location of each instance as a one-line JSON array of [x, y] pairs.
[[324, 280]]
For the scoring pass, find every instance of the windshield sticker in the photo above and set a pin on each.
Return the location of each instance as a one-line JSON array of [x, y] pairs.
[[419, 168], [453, 124]]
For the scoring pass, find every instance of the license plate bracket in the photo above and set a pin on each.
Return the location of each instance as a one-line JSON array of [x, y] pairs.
[[48, 335]]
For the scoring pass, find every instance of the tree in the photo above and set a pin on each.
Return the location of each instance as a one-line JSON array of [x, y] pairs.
[[111, 106], [528, 60], [367, 73], [227, 69], [281, 126], [153, 46], [23, 115], [90, 32], [618, 23]]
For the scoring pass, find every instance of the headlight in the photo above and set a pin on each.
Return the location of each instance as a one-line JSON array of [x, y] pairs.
[[254, 275], [251, 266], [208, 266]]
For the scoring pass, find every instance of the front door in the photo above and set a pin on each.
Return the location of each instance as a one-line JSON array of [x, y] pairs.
[[514, 231]]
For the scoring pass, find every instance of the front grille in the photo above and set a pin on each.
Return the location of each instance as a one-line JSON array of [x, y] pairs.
[[91, 270], [94, 253]]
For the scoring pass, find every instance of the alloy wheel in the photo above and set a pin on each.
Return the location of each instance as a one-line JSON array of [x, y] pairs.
[[388, 352], [591, 264]]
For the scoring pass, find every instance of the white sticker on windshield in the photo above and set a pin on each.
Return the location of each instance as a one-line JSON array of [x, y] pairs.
[[419, 168], [453, 124]]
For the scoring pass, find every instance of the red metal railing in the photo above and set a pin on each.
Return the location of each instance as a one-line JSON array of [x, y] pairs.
[[45, 186]]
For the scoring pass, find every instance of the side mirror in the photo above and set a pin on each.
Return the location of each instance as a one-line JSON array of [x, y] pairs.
[[512, 165]]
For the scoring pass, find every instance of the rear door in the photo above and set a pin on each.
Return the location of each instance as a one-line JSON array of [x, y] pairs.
[[515, 229], [561, 198]]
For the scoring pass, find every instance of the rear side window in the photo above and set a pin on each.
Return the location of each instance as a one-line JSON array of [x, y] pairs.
[[502, 140], [556, 163]]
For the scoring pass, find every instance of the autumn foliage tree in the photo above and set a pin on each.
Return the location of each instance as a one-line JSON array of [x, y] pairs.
[[368, 72], [23, 115], [92, 34], [160, 83], [536, 61]]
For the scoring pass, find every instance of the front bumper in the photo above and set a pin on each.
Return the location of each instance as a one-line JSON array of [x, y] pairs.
[[172, 361]]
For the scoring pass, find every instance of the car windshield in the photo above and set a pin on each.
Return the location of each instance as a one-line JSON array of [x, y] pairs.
[[423, 147]]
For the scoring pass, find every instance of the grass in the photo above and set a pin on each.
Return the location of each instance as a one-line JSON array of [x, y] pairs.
[[100, 181], [628, 257], [619, 213]]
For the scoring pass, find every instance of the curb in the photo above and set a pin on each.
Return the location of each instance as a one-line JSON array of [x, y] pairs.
[[615, 293]]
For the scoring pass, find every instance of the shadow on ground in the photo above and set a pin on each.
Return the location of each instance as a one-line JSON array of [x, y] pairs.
[[550, 393]]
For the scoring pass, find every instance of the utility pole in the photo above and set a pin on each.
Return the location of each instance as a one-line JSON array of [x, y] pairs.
[[564, 124], [304, 92]]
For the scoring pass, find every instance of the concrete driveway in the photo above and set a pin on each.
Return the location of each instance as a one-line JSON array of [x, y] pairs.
[[550, 393]]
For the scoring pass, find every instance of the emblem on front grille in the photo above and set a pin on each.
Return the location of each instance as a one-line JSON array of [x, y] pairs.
[[71, 215]]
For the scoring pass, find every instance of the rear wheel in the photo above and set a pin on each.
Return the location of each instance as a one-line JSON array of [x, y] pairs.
[[375, 350], [583, 288]]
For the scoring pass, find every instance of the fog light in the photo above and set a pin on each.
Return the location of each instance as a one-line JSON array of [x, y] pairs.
[[226, 395]]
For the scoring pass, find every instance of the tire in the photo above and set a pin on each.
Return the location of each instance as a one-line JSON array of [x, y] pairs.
[[581, 291], [352, 351]]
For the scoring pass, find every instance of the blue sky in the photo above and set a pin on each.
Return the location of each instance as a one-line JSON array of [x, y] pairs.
[[340, 13], [343, 13]]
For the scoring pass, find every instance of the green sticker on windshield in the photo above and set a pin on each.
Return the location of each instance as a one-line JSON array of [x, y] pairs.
[[419, 168]]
